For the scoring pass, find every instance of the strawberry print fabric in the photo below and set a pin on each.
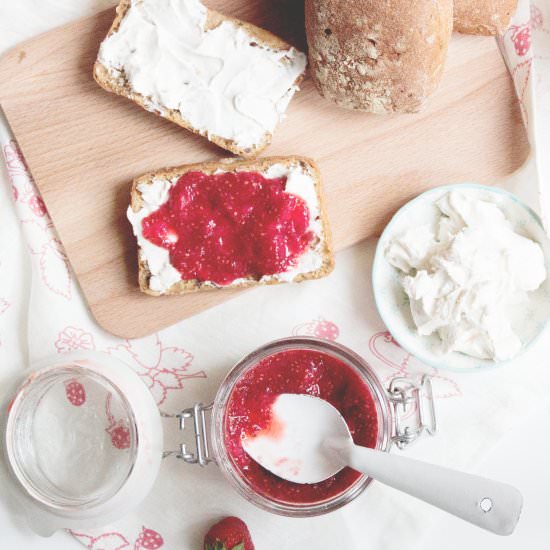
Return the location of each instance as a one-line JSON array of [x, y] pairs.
[[42, 313], [525, 47]]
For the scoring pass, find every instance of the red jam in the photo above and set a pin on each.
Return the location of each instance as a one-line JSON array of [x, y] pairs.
[[305, 372], [222, 227]]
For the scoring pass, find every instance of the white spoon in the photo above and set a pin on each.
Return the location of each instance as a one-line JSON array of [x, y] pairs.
[[309, 441]]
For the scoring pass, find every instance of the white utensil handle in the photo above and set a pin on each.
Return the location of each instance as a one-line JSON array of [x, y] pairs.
[[488, 504]]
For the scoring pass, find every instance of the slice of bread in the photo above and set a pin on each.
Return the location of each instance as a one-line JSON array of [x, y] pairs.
[[283, 76], [151, 283]]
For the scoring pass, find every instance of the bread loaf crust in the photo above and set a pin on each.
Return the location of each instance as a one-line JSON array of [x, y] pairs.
[[485, 17], [378, 56]]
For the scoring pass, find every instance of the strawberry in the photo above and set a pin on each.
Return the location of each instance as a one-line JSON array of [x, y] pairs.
[[326, 329], [75, 392], [228, 534], [149, 540], [120, 435], [522, 39]]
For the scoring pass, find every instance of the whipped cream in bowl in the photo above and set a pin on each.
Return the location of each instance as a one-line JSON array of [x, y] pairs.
[[461, 277]]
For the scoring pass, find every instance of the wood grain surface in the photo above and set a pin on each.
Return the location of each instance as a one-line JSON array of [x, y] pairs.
[[84, 147]]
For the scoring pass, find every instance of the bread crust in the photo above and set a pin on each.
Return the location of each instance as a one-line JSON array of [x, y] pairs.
[[485, 17], [378, 56], [231, 165], [103, 77]]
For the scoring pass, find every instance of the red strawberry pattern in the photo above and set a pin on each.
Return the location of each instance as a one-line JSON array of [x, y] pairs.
[[37, 226], [521, 37], [120, 436], [149, 540], [523, 45], [75, 392], [320, 328], [117, 429], [393, 361], [326, 330], [105, 541], [146, 540], [72, 338], [162, 368], [15, 161], [37, 206]]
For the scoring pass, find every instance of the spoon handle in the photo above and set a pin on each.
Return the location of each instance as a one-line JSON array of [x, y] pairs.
[[488, 504]]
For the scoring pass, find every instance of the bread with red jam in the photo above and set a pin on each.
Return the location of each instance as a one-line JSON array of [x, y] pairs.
[[216, 76], [230, 224], [379, 57], [485, 17]]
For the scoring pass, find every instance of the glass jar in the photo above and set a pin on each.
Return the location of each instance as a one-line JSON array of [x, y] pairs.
[[404, 411], [55, 419]]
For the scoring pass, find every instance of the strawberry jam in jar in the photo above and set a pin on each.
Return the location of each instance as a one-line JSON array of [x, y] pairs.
[[300, 366]]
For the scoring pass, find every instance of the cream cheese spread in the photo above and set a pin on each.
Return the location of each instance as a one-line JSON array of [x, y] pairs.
[[163, 274], [220, 79], [465, 275]]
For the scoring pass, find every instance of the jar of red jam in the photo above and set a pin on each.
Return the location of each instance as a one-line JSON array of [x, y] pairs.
[[55, 418], [377, 417]]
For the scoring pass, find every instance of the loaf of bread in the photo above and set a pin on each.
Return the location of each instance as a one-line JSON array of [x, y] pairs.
[[230, 224], [487, 17], [378, 56], [218, 77]]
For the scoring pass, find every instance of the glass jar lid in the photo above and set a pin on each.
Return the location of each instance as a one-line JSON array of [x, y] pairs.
[[83, 442]]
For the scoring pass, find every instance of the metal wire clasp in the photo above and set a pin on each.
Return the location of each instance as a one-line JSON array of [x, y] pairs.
[[197, 417], [414, 409]]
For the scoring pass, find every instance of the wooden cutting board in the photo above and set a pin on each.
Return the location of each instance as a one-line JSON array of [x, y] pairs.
[[84, 146]]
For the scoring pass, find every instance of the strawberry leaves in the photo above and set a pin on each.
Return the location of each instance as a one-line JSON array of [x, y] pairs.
[[219, 545]]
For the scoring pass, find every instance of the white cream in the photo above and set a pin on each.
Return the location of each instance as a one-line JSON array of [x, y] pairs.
[[164, 274], [220, 80], [465, 276]]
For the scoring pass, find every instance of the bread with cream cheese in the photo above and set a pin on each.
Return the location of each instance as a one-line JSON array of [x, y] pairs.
[[320, 247], [219, 77], [486, 17], [379, 57]]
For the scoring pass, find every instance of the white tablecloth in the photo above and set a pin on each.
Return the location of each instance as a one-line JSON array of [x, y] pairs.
[[42, 313]]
